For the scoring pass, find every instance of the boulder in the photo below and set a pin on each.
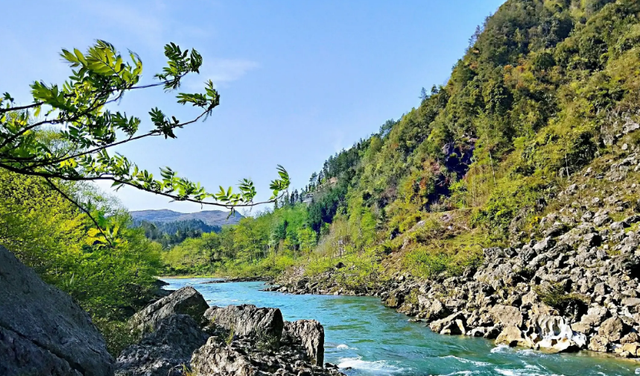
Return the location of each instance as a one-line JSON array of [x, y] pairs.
[[511, 336], [19, 356], [432, 309], [310, 334], [507, 315], [594, 317], [218, 359], [164, 351], [492, 332], [42, 330], [554, 334], [186, 301], [449, 323], [632, 348], [248, 320], [599, 343], [612, 329]]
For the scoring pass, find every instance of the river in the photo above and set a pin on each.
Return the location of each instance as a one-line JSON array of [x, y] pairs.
[[365, 338]]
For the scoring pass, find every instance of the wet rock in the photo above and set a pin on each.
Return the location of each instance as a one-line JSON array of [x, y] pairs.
[[554, 334], [432, 309], [164, 351], [492, 332], [511, 336], [478, 332], [42, 330], [448, 323], [185, 301]]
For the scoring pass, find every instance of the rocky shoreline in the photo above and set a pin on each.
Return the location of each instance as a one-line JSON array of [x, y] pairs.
[[571, 284], [181, 335]]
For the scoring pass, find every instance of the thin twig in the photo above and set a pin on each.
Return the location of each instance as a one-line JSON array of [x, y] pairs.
[[130, 184]]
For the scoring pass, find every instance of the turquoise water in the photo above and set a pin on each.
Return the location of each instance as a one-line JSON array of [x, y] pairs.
[[365, 338]]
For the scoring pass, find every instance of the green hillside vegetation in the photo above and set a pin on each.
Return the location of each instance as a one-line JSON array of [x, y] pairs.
[[55, 238], [169, 234], [540, 93]]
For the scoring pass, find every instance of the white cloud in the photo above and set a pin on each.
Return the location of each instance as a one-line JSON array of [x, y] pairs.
[[222, 71], [227, 70]]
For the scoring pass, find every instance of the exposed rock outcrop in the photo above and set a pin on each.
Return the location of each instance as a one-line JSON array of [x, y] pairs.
[[185, 301], [248, 320], [310, 334], [164, 352], [235, 340], [42, 330]]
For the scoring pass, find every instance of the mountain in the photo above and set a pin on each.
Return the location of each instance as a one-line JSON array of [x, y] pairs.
[[209, 217]]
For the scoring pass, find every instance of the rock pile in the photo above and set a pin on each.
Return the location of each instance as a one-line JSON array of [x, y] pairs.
[[179, 337]]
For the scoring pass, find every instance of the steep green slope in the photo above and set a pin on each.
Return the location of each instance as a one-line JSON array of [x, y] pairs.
[[543, 89]]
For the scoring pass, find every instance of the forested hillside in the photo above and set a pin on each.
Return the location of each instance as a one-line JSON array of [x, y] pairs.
[[544, 89]]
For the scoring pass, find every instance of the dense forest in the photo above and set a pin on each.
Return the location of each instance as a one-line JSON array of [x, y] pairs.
[[537, 96]]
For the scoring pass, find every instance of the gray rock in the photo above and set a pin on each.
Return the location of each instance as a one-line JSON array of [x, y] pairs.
[[19, 356], [612, 329], [512, 336], [448, 322], [432, 309], [599, 343], [631, 302], [310, 334], [217, 359], [248, 320], [165, 351], [42, 329], [544, 244], [507, 315], [185, 301]]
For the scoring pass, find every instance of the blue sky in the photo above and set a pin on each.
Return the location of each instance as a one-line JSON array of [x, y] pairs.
[[299, 80]]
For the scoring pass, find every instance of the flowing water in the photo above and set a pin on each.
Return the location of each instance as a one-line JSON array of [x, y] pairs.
[[365, 338]]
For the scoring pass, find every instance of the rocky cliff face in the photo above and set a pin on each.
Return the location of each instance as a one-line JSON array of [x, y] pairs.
[[42, 330], [178, 336]]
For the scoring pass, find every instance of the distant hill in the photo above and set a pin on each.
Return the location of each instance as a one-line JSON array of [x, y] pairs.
[[209, 217]]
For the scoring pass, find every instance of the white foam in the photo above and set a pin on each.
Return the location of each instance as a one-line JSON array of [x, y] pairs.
[[467, 361], [342, 346], [500, 349], [520, 372], [462, 373], [379, 366]]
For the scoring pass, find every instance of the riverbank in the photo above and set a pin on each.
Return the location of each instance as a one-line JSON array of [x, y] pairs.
[[365, 338]]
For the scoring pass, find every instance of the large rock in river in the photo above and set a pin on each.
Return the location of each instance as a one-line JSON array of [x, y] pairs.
[[248, 320], [165, 351], [186, 301], [310, 334], [42, 330]]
